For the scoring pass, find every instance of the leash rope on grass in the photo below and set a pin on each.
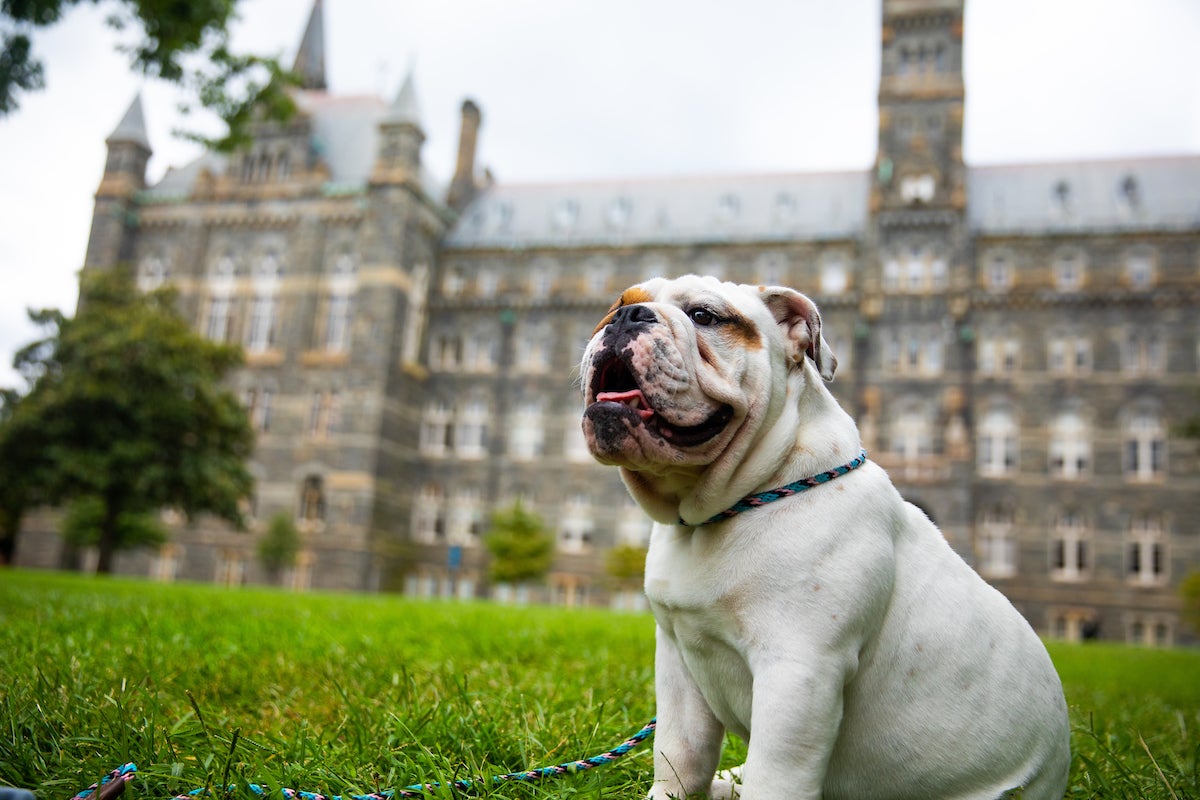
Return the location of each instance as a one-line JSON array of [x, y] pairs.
[[124, 774]]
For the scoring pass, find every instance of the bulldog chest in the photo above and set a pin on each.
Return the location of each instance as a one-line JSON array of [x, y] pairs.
[[696, 608]]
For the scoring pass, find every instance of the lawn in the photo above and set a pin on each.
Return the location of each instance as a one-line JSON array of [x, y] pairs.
[[348, 694]]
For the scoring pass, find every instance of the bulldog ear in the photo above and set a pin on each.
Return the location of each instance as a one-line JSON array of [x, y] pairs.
[[801, 323]]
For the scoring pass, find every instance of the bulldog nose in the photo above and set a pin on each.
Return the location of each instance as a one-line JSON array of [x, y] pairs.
[[630, 318]]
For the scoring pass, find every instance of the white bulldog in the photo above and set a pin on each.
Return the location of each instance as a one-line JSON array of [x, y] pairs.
[[834, 630]]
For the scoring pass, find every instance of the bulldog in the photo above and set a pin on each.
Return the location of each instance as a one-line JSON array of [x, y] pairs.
[[800, 603]]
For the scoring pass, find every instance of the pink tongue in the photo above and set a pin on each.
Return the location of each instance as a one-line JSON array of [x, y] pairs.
[[633, 398]]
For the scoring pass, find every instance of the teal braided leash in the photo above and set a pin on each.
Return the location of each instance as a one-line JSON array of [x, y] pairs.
[[126, 773]]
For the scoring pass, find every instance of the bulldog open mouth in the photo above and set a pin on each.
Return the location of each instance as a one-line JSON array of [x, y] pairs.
[[615, 391]]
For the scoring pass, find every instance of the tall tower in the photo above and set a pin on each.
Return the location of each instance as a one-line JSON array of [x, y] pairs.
[[110, 241], [916, 278], [919, 163]]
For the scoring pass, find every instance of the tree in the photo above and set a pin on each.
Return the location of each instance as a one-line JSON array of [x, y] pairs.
[[127, 412], [19, 466], [278, 548], [626, 565], [173, 36], [521, 547]]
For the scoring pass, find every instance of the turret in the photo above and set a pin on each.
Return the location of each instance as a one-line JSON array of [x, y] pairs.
[[124, 176], [400, 138]]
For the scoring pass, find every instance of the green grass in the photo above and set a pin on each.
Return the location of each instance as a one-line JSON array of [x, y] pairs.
[[347, 694]]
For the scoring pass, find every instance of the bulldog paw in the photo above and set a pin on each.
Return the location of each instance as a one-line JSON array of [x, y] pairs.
[[725, 787]]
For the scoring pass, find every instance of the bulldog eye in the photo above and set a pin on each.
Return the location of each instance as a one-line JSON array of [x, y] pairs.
[[703, 317]]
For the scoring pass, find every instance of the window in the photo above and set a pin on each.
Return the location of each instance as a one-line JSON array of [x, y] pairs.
[[445, 352], [1146, 558], [633, 526], [914, 351], [771, 269], [596, 278], [1150, 631], [527, 434], [729, 207], [917, 188], [576, 528], [565, 214], [619, 213], [911, 432], [1069, 549], [260, 333], [537, 345], [995, 544], [1069, 353], [453, 282], [216, 324], [997, 445], [429, 515], [834, 280], [541, 281], [464, 518], [997, 352], [1143, 352], [1069, 268], [1070, 446], [470, 430], [152, 273], [258, 409], [312, 499], [1129, 196], [479, 354], [1145, 447], [337, 323], [436, 429], [999, 273], [1139, 269], [487, 282], [324, 414]]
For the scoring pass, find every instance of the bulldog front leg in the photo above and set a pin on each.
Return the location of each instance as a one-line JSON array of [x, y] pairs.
[[789, 752], [687, 741]]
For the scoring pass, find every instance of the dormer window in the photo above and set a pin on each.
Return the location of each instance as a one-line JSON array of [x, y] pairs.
[[565, 214], [1129, 195], [1060, 198], [728, 207], [619, 212]]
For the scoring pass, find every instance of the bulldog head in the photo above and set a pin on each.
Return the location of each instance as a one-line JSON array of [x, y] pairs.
[[684, 381]]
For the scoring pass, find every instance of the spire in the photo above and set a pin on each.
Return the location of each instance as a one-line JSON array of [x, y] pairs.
[[132, 127], [310, 58], [404, 109]]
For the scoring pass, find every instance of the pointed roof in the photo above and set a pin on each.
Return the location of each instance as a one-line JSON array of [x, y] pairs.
[[404, 109], [310, 58], [132, 127]]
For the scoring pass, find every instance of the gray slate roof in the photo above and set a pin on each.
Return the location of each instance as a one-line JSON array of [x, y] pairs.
[[1120, 194], [668, 210]]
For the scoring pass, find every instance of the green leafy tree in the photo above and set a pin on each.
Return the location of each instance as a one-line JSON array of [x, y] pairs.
[[186, 43], [19, 466], [127, 410], [522, 548], [626, 565], [279, 546], [85, 516]]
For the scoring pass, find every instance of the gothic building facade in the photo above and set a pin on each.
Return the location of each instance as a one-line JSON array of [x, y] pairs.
[[1018, 343]]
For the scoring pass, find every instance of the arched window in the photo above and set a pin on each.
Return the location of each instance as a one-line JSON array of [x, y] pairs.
[[1070, 450], [996, 544], [1144, 447], [312, 499], [997, 445], [1070, 557]]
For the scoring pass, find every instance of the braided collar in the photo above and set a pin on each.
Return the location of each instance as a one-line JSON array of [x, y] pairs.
[[802, 485]]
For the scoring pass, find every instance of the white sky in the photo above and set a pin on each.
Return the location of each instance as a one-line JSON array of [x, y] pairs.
[[620, 88]]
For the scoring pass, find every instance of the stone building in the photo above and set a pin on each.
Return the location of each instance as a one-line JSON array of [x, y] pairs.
[[1018, 343]]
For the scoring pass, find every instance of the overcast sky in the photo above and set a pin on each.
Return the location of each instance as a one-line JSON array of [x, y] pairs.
[[621, 88]]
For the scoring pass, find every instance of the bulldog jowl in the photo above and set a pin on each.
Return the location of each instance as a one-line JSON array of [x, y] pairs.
[[641, 398]]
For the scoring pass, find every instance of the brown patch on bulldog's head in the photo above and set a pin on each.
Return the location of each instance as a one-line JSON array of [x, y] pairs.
[[742, 332], [629, 297]]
